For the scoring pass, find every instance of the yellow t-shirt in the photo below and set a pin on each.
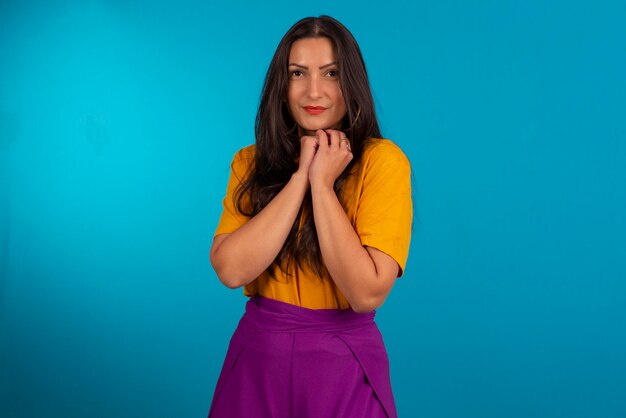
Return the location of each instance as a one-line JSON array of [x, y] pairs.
[[377, 200]]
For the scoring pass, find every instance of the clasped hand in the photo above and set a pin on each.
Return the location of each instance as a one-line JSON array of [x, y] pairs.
[[324, 156]]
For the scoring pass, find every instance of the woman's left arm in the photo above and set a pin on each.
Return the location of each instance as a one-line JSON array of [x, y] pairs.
[[364, 275]]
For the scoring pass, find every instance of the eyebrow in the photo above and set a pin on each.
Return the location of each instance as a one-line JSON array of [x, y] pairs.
[[321, 68]]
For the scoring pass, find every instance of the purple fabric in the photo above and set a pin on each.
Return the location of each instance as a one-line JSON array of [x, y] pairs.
[[288, 361]]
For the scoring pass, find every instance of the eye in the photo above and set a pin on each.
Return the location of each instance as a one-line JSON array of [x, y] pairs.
[[296, 73], [332, 73]]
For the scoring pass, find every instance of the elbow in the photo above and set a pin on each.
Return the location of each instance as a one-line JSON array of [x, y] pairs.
[[231, 267], [370, 302], [229, 282], [362, 309], [230, 279], [367, 305]]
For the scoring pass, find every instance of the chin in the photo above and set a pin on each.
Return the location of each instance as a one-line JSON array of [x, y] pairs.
[[314, 127]]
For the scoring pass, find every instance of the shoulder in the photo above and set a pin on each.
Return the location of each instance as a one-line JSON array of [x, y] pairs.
[[383, 151], [245, 154], [243, 161]]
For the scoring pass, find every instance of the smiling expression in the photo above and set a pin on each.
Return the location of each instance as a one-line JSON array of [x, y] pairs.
[[314, 94]]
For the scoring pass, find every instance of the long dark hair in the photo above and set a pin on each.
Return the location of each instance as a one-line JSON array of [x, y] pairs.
[[278, 144]]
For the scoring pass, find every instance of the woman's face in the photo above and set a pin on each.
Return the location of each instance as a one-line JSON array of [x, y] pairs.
[[314, 95]]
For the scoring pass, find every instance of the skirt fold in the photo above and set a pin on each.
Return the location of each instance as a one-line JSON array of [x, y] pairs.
[[287, 361]]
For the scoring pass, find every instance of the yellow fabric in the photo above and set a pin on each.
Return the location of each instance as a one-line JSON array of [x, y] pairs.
[[377, 199]]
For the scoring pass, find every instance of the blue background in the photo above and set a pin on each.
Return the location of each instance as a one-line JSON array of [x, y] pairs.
[[118, 121]]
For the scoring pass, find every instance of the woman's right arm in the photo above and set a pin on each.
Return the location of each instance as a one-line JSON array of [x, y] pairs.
[[241, 256]]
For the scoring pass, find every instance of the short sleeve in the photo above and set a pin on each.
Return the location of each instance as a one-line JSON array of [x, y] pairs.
[[385, 210], [232, 218]]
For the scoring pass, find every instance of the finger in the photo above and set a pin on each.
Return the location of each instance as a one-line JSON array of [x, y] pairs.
[[310, 138], [345, 141], [306, 140], [334, 138], [322, 138]]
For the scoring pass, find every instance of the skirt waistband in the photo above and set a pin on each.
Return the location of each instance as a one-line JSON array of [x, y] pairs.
[[272, 315]]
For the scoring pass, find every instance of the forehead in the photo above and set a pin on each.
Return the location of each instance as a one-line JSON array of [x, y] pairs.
[[312, 50]]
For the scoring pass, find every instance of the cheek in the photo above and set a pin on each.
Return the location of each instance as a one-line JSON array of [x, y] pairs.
[[341, 104], [339, 98], [291, 100]]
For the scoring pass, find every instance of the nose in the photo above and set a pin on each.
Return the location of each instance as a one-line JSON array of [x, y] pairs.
[[314, 87]]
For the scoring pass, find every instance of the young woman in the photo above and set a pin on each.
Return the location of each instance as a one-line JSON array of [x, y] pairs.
[[316, 227]]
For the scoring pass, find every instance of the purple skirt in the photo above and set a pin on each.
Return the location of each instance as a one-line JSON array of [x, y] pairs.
[[288, 361]]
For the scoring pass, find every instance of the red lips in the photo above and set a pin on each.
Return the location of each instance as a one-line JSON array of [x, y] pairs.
[[314, 110]]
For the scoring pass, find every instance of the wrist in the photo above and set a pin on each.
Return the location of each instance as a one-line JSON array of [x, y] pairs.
[[300, 176], [321, 187]]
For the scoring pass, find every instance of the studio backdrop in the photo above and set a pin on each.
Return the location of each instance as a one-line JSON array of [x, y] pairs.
[[118, 122]]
